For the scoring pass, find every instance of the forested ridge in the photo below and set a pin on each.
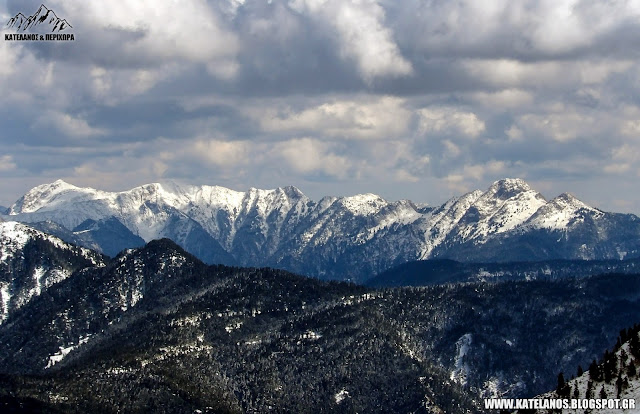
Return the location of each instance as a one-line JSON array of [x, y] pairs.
[[156, 330]]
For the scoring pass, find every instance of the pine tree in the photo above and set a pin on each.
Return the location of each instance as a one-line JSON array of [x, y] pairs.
[[634, 345], [589, 392], [610, 366], [563, 389], [624, 356], [560, 383], [603, 393], [580, 371], [594, 371], [631, 369], [624, 336], [619, 385]]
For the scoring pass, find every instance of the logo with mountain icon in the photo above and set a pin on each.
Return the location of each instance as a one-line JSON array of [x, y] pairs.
[[42, 17]]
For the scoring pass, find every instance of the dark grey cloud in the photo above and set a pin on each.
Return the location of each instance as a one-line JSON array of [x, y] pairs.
[[417, 99]]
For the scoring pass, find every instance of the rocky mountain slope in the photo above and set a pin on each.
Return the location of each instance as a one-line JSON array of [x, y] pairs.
[[32, 261], [337, 237]]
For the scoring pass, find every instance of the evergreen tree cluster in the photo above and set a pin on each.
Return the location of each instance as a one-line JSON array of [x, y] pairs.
[[615, 370]]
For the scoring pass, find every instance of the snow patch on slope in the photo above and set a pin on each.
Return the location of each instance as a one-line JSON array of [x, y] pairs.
[[64, 351], [5, 296], [340, 396], [13, 238], [461, 371]]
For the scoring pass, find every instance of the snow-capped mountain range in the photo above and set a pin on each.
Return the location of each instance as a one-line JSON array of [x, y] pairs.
[[337, 237]]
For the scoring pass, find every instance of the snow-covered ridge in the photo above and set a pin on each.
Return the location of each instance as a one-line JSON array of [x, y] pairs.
[[282, 225], [363, 204], [13, 237], [49, 197], [19, 284], [139, 207], [478, 215], [559, 212]]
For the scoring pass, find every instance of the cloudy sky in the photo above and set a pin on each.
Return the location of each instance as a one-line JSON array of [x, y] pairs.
[[418, 99]]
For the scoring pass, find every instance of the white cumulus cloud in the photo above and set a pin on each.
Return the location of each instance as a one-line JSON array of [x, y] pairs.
[[362, 33]]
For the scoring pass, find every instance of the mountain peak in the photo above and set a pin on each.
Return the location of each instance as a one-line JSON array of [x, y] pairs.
[[559, 212], [56, 186], [508, 187], [567, 197], [363, 204], [164, 243], [511, 182], [568, 200], [154, 246], [160, 257], [40, 196], [292, 191], [62, 183]]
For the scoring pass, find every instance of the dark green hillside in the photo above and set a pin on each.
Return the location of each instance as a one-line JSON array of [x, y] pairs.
[[156, 330], [440, 271]]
